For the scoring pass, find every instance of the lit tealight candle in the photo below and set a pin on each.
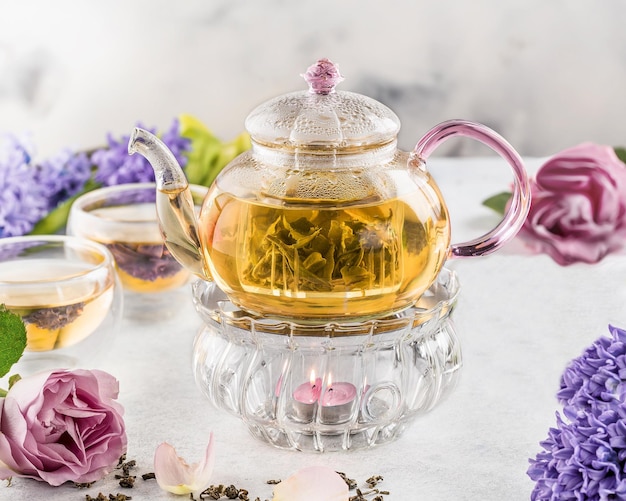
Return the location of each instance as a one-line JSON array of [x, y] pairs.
[[305, 398], [337, 402]]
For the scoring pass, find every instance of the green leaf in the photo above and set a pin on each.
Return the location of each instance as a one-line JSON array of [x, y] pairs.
[[12, 339], [498, 202], [14, 379], [621, 153], [208, 154]]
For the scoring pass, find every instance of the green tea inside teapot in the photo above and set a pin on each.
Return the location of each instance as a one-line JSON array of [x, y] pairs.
[[323, 218]]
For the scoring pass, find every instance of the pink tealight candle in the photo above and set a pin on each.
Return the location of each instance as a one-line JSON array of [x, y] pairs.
[[305, 398], [337, 402]]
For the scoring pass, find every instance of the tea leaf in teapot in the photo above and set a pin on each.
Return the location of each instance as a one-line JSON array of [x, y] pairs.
[[335, 233], [321, 250], [314, 262], [356, 275], [320, 244], [263, 267], [297, 269], [300, 226]]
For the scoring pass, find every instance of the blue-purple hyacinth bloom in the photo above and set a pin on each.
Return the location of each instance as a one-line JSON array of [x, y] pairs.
[[584, 457], [116, 166], [28, 191], [22, 201], [598, 377], [63, 176]]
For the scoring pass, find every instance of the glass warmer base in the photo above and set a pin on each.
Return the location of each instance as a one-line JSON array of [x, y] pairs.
[[336, 386]]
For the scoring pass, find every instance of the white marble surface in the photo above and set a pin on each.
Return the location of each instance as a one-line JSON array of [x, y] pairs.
[[547, 75], [520, 319]]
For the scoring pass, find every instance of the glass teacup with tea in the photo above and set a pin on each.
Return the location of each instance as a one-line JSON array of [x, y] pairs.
[[123, 218], [67, 293]]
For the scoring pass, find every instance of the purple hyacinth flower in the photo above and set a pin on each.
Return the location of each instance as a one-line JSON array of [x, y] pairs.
[[584, 457], [22, 201], [598, 376], [63, 176], [115, 166]]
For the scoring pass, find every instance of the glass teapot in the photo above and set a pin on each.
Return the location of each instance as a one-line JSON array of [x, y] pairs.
[[323, 218]]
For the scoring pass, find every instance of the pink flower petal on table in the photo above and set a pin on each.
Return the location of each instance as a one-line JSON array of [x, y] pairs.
[[174, 475], [314, 483]]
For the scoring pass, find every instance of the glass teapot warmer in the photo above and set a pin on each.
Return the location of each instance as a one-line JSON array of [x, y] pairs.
[[335, 386]]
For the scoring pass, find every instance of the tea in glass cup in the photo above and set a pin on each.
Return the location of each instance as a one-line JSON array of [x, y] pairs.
[[67, 293], [123, 218]]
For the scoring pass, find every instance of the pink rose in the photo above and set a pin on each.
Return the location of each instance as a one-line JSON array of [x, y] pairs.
[[61, 426], [578, 208]]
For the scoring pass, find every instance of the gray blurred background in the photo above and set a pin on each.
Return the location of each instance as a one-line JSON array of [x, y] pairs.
[[545, 74]]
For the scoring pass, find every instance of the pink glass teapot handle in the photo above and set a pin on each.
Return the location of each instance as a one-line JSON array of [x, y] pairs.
[[520, 201]]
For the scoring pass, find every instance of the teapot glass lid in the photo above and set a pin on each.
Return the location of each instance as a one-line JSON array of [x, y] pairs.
[[322, 117]]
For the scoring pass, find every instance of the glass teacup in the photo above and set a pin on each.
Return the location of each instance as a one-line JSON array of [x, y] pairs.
[[123, 218], [67, 292]]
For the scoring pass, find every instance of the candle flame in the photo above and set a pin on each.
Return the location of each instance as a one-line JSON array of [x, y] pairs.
[[312, 377], [329, 381]]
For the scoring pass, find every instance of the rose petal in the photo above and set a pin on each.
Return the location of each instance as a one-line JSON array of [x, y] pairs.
[[6, 469], [174, 475], [314, 483]]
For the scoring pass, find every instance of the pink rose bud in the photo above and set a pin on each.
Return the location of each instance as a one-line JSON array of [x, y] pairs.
[[578, 208], [61, 426]]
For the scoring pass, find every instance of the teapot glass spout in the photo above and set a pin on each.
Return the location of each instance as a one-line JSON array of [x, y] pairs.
[[174, 202]]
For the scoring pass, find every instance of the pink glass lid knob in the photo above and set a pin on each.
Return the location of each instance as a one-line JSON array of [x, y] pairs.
[[322, 77]]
